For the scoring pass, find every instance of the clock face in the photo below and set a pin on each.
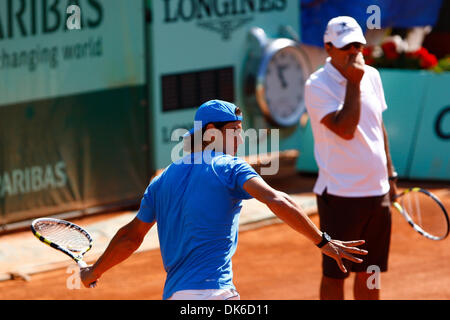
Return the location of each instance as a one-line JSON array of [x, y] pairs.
[[284, 87]]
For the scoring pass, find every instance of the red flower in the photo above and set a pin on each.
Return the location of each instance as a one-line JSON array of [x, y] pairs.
[[390, 50], [421, 52], [426, 59]]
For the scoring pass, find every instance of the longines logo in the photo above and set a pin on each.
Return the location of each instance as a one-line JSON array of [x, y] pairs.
[[221, 16], [225, 27]]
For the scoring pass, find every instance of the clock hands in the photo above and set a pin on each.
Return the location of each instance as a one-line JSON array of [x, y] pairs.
[[280, 70]]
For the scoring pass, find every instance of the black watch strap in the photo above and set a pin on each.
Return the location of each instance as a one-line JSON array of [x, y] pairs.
[[325, 239]]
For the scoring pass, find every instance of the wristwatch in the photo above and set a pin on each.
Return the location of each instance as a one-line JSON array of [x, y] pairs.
[[325, 239], [394, 176]]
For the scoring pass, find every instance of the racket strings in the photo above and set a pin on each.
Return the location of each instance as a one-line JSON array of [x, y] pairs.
[[64, 235], [425, 212]]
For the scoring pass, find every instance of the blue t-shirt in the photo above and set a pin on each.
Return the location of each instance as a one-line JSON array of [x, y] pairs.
[[196, 204]]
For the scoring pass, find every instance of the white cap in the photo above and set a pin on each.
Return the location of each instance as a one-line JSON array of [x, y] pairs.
[[342, 31]]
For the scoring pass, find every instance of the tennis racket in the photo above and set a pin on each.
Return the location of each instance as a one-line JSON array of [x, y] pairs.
[[64, 236], [424, 212]]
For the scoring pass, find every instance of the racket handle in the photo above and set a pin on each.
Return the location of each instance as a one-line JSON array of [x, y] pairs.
[[83, 264]]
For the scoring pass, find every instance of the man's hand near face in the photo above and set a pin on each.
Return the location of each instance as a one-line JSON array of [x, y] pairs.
[[353, 70]]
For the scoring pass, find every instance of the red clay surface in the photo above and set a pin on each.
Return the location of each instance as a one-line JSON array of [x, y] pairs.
[[272, 262]]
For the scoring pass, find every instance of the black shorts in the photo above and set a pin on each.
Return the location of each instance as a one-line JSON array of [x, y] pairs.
[[367, 218]]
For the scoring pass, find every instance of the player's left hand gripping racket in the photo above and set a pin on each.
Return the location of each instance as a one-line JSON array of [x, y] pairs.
[[64, 236]]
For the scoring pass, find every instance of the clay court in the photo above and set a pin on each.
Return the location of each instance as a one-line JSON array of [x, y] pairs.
[[272, 262]]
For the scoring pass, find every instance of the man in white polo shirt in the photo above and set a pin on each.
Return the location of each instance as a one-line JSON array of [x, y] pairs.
[[345, 101]]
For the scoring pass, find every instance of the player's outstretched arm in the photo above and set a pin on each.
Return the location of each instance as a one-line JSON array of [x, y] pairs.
[[126, 241], [287, 210]]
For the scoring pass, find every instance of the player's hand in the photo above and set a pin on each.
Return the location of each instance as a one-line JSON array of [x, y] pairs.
[[88, 278], [354, 68], [339, 250], [393, 191]]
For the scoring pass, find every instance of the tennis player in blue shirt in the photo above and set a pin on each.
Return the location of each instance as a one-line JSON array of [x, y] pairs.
[[196, 203]]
